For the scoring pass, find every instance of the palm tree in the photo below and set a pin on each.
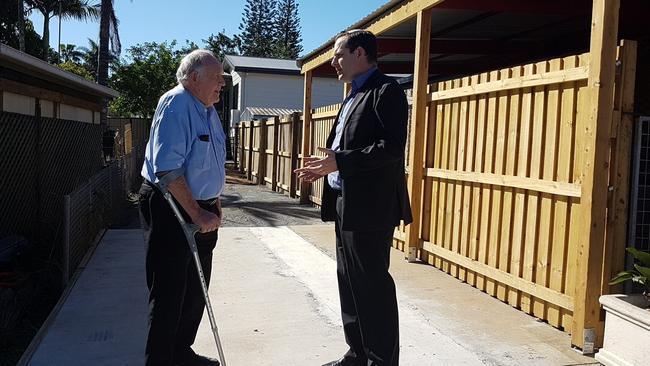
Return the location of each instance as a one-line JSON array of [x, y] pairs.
[[90, 57], [72, 53], [108, 33], [21, 25], [70, 9]]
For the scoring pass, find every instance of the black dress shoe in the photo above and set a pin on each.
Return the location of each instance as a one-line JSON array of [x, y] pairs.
[[344, 362], [197, 360]]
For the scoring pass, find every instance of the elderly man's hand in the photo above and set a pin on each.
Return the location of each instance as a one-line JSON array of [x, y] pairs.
[[207, 221], [316, 168]]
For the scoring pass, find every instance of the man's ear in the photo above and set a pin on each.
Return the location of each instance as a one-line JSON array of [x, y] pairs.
[[359, 51]]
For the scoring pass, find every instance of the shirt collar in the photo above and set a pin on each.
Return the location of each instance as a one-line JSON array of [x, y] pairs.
[[199, 105], [358, 82]]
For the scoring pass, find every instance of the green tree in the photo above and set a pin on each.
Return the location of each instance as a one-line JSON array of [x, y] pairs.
[[257, 28], [10, 28], [221, 45], [287, 30], [141, 82], [69, 9], [76, 68]]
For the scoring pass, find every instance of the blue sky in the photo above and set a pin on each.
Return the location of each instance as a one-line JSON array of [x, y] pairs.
[[165, 20]]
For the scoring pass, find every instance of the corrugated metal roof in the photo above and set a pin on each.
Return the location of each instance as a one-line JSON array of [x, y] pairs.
[[261, 112], [358, 25], [245, 62]]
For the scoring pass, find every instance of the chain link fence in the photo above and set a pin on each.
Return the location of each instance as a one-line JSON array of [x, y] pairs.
[[41, 160], [87, 211], [57, 189]]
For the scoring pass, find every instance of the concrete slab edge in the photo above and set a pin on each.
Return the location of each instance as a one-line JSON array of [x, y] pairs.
[[36, 341]]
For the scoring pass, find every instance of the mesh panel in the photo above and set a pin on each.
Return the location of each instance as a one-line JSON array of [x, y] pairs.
[[71, 154], [18, 179], [91, 207], [640, 215]]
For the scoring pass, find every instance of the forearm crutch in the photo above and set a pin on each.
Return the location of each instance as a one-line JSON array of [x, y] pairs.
[[189, 229]]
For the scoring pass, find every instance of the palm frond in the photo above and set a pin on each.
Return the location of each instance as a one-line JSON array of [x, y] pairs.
[[116, 45]]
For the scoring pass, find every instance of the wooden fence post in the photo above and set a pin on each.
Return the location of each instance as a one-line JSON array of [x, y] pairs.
[[294, 144], [418, 120], [249, 167], [618, 203], [262, 158], [592, 173], [240, 147], [306, 133], [276, 140]]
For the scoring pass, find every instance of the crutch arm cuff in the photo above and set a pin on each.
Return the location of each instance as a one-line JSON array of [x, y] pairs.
[[166, 178]]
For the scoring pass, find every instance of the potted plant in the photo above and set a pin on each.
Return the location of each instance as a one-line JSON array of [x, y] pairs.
[[627, 323]]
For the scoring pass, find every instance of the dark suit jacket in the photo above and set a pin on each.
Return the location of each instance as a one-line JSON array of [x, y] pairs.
[[371, 159]]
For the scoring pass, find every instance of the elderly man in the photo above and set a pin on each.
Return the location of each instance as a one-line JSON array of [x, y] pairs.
[[365, 195], [186, 153]]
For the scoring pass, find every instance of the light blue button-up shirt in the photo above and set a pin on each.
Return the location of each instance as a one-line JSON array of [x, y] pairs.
[[333, 178], [186, 135]]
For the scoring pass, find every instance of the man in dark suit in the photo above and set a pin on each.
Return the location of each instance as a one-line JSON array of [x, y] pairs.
[[365, 195]]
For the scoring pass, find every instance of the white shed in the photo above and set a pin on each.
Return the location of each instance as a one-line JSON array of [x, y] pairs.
[[273, 83]]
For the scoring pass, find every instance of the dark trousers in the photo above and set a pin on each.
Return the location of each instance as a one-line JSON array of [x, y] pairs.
[[367, 294], [176, 300]]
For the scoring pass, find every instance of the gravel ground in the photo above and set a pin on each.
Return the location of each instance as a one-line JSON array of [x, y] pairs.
[[253, 205], [244, 205]]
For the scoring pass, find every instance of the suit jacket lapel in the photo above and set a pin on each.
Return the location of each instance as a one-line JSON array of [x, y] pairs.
[[355, 103], [330, 138]]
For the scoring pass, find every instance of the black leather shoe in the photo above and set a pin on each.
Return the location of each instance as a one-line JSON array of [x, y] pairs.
[[198, 360], [344, 362]]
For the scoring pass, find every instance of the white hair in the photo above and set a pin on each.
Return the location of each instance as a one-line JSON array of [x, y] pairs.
[[193, 61]]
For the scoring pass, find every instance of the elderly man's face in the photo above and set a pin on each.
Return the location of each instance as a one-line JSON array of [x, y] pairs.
[[208, 82]]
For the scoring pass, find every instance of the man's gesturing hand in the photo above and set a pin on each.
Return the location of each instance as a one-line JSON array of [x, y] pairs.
[[316, 167]]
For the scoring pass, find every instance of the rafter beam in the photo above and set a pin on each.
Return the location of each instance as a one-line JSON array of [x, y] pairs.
[[407, 10], [556, 7]]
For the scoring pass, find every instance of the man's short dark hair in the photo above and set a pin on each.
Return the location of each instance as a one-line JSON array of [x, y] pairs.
[[361, 38]]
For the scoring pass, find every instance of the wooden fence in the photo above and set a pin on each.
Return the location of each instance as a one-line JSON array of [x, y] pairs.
[[269, 152], [502, 179]]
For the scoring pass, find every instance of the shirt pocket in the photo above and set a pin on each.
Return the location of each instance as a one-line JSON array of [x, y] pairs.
[[199, 155]]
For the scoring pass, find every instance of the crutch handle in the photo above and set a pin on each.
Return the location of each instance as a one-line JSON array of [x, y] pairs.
[[192, 228]]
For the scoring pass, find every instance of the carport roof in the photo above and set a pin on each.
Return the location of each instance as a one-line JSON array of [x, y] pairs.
[[469, 36]]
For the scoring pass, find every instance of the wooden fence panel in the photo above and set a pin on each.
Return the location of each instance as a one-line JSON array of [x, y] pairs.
[[255, 152], [284, 166], [269, 135], [498, 161], [322, 122]]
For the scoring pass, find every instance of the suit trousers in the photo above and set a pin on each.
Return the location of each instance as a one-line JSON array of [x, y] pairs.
[[367, 295], [176, 301]]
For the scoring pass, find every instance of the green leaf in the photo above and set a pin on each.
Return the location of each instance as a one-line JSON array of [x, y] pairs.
[[640, 279], [645, 271], [641, 256], [621, 277]]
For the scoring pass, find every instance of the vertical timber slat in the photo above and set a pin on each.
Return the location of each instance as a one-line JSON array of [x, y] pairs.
[[306, 132], [592, 173], [420, 94]]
